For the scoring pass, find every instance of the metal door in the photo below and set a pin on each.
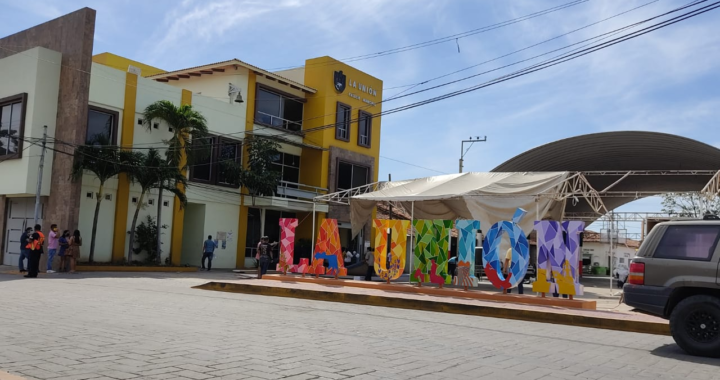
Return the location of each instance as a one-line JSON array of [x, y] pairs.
[[20, 215]]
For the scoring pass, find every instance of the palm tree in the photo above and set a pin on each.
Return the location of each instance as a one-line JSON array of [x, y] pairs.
[[150, 170], [104, 161], [189, 127]]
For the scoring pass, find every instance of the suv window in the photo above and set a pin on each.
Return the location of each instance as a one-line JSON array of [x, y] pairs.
[[688, 243]]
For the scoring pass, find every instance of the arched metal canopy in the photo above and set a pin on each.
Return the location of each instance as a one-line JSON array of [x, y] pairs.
[[656, 163]]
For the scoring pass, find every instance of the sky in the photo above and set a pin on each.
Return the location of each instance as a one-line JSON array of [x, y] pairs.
[[665, 81]]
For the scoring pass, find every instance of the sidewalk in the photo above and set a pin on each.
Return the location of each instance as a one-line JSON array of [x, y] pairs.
[[325, 290]]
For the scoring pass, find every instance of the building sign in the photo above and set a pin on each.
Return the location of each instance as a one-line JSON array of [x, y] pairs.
[[340, 82]]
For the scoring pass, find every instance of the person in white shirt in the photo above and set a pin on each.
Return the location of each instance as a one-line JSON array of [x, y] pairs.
[[348, 256]]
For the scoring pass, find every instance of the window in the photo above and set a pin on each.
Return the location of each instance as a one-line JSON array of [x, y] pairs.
[[209, 167], [289, 167], [351, 176], [278, 110], [364, 128], [12, 118], [342, 122], [688, 243], [101, 127]]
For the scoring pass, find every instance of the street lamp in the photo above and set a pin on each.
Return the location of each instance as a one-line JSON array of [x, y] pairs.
[[463, 151]]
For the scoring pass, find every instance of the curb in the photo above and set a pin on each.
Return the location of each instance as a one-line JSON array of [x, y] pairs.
[[110, 268], [644, 327]]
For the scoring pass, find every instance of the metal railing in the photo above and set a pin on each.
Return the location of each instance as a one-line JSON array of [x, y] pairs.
[[298, 190], [277, 122]]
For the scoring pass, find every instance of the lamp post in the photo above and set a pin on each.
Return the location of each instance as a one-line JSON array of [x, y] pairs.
[[463, 151]]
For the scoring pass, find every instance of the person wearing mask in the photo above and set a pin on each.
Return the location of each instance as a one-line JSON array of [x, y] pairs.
[[209, 247], [370, 261], [52, 247], [35, 247], [64, 244], [73, 252], [24, 252]]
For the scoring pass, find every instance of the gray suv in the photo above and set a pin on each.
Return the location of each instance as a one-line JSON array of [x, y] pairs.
[[676, 275]]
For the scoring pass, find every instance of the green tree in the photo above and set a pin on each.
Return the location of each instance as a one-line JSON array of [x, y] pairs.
[[104, 161], [690, 205], [189, 139], [151, 171], [260, 177]]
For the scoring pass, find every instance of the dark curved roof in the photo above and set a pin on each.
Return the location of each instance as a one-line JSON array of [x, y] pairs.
[[611, 151]]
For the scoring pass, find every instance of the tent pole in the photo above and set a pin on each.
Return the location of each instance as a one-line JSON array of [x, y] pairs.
[[312, 243], [412, 235]]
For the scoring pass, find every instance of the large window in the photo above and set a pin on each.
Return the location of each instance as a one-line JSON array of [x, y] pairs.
[[289, 166], [351, 176], [342, 122], [278, 110], [688, 243], [102, 126], [12, 115], [210, 167], [364, 129]]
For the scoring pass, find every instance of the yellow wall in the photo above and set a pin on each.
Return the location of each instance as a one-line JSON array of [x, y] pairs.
[[123, 192], [122, 63], [178, 219], [321, 110]]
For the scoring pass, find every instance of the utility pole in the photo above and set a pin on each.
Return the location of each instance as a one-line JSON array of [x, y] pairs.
[[38, 206], [390, 180], [463, 151]]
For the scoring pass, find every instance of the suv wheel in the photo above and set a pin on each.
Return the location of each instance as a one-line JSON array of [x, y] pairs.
[[695, 325]]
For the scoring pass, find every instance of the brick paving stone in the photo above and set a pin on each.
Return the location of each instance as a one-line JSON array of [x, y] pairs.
[[157, 327]]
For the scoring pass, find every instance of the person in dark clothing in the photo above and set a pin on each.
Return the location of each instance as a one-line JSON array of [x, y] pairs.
[[35, 247], [265, 255], [24, 252], [209, 247]]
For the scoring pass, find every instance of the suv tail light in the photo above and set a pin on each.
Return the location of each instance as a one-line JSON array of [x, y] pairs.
[[637, 274]]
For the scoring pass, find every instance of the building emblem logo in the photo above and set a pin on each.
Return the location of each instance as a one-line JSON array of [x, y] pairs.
[[339, 81]]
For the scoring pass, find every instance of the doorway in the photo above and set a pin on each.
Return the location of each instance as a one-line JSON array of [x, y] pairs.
[[193, 234], [20, 215]]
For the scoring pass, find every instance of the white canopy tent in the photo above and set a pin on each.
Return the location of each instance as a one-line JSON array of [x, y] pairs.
[[487, 197]]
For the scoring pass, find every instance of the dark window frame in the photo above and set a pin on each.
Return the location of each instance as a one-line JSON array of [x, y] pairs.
[[711, 252], [348, 119], [22, 97], [115, 115], [260, 86], [282, 166], [348, 162], [362, 115], [215, 144]]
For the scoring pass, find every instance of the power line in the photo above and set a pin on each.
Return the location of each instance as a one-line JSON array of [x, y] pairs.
[[409, 164], [450, 38]]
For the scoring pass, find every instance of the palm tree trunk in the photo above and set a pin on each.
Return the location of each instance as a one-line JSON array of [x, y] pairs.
[[95, 222], [133, 225], [159, 225]]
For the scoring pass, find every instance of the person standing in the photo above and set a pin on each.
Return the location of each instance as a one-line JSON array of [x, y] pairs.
[[348, 256], [35, 246], [209, 247], [64, 244], [24, 252], [370, 261], [52, 247], [74, 250], [264, 255]]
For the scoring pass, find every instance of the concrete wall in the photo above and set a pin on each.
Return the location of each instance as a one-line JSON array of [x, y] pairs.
[[36, 73], [71, 35], [601, 252]]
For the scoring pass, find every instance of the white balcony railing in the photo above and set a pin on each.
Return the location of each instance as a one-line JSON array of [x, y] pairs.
[[299, 191], [277, 122]]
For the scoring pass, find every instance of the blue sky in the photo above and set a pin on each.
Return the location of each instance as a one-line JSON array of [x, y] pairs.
[[665, 81]]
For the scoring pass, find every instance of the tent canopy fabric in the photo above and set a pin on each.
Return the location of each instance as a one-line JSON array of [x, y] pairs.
[[487, 197]]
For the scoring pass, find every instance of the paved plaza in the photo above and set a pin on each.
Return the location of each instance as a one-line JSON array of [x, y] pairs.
[[154, 326]]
